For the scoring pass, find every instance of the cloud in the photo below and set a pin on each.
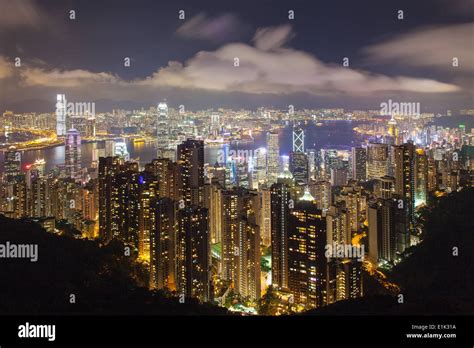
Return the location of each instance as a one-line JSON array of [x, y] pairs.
[[6, 68], [218, 29], [20, 13], [269, 68], [273, 37], [65, 78], [266, 68], [432, 47]]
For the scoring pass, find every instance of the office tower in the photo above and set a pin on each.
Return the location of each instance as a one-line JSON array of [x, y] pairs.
[[393, 131], [163, 244], [248, 282], [273, 157], [306, 253], [61, 109], [329, 159], [193, 253], [147, 192], [321, 191], [73, 153], [12, 164], [359, 163], [384, 187], [191, 165], [311, 153], [259, 168], [299, 167], [388, 229], [404, 173], [163, 110], [163, 126], [338, 176], [286, 177], [298, 139], [280, 211], [377, 160], [338, 225]]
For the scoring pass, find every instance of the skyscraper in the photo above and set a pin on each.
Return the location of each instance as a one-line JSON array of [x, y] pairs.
[[191, 165], [248, 279], [193, 253], [163, 244], [359, 163], [280, 211], [61, 109], [298, 139], [377, 160], [273, 157], [404, 173], [12, 164], [299, 167], [306, 253], [73, 153]]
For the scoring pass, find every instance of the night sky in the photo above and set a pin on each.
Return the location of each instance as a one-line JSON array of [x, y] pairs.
[[281, 61]]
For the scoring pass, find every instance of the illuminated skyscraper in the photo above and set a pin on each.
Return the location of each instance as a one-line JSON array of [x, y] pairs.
[[61, 109], [193, 253], [377, 160], [73, 153], [359, 163], [147, 192], [273, 157], [298, 139], [191, 165], [421, 177], [306, 253], [384, 187], [163, 244], [12, 164], [388, 229], [322, 192], [118, 200], [163, 111], [404, 173], [248, 278], [280, 211], [299, 167]]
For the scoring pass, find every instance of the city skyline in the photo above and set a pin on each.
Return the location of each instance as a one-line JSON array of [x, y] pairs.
[[221, 163]]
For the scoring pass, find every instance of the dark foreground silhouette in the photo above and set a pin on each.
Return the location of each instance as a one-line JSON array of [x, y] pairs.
[[102, 280], [433, 280]]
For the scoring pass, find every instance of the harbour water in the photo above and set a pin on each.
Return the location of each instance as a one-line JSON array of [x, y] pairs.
[[335, 134]]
